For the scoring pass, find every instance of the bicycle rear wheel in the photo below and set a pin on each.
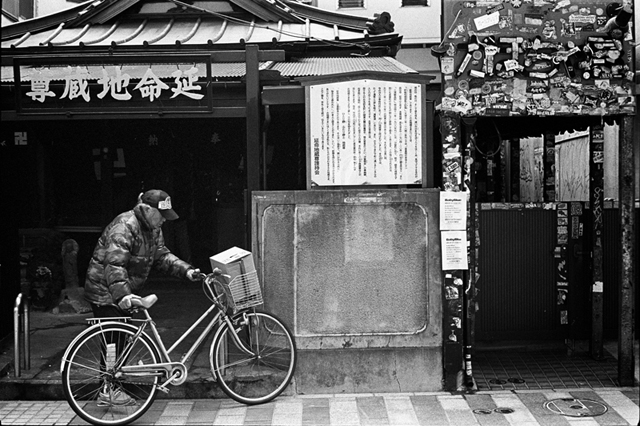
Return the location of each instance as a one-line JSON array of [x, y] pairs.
[[92, 385], [261, 376]]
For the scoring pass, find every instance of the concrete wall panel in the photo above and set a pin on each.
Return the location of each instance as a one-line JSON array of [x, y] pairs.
[[356, 274]]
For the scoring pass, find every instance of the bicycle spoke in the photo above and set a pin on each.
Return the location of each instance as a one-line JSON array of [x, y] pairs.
[[257, 378], [93, 393]]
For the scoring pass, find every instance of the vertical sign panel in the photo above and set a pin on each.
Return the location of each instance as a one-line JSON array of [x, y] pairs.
[[365, 132], [596, 199]]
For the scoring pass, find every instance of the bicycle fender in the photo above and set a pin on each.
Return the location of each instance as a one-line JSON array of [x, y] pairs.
[[217, 333], [89, 330], [221, 327]]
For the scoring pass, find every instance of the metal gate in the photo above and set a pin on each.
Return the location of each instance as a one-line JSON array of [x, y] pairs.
[[517, 295]]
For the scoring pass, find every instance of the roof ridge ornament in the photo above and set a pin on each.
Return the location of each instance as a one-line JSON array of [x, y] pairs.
[[381, 24]]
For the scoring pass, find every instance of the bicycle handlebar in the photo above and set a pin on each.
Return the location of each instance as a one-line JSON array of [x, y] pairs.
[[216, 273]]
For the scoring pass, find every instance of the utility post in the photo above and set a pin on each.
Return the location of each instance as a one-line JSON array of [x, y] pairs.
[[626, 363]]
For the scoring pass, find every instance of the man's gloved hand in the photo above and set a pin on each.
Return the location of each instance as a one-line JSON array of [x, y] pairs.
[[217, 272], [194, 275], [125, 302]]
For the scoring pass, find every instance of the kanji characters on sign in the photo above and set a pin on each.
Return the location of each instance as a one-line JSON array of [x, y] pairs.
[[116, 83]]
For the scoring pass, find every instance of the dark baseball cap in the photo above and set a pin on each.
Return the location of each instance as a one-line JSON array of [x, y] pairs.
[[161, 201]]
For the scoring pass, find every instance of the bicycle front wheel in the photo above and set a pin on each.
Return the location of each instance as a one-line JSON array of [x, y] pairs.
[[93, 386], [262, 374]]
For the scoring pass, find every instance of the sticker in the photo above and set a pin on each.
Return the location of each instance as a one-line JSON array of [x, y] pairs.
[[451, 293], [511, 65], [506, 22], [447, 65], [459, 31], [464, 64], [549, 30], [495, 8], [164, 204], [561, 4], [487, 21], [530, 19], [597, 287], [582, 19]]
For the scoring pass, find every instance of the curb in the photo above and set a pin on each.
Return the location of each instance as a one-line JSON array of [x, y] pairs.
[[51, 390]]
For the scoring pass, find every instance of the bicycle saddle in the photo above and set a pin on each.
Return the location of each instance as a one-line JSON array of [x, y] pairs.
[[144, 302]]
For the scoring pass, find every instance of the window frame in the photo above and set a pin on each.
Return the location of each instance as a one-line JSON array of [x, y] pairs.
[[425, 3], [362, 4]]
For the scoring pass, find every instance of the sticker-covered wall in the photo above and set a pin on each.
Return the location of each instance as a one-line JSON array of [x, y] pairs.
[[537, 57]]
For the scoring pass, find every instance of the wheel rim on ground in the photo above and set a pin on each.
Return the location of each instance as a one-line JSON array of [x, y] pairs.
[[250, 379], [84, 377]]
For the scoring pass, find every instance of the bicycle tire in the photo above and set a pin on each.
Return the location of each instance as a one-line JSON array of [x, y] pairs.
[[254, 379], [84, 376]]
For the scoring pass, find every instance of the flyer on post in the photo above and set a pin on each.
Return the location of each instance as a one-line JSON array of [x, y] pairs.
[[454, 250], [453, 211]]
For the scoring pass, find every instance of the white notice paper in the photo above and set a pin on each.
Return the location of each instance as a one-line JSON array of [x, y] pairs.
[[454, 250], [365, 132], [453, 211]]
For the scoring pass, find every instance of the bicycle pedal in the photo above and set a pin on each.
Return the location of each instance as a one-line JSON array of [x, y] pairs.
[[163, 389]]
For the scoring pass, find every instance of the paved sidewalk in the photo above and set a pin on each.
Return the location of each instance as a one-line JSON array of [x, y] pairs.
[[431, 408]]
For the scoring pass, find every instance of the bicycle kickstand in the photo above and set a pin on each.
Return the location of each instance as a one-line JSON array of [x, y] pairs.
[[163, 387]]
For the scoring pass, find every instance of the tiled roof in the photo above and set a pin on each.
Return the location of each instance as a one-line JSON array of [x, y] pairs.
[[296, 68], [324, 66], [110, 23], [187, 32]]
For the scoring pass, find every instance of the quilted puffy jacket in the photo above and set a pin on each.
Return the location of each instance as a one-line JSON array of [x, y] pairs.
[[126, 251]]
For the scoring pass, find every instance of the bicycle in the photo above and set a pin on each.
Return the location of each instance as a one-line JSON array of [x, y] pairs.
[[112, 371]]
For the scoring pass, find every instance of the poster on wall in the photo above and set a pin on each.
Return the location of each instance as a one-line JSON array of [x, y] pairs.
[[365, 132]]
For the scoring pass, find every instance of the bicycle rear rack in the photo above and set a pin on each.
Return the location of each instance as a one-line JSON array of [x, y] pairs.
[[26, 352]]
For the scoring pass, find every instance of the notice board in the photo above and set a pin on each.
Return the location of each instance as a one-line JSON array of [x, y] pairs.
[[366, 131], [537, 57]]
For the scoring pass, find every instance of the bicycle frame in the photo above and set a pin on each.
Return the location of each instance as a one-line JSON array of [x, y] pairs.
[[175, 371]]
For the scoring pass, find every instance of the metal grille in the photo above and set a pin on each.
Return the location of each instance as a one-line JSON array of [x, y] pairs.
[[517, 281]]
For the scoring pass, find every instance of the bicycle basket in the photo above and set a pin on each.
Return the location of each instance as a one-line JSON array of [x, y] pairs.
[[243, 291]]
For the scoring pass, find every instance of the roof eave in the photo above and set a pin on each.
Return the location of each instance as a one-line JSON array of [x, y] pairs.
[[381, 45], [326, 16], [43, 22]]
